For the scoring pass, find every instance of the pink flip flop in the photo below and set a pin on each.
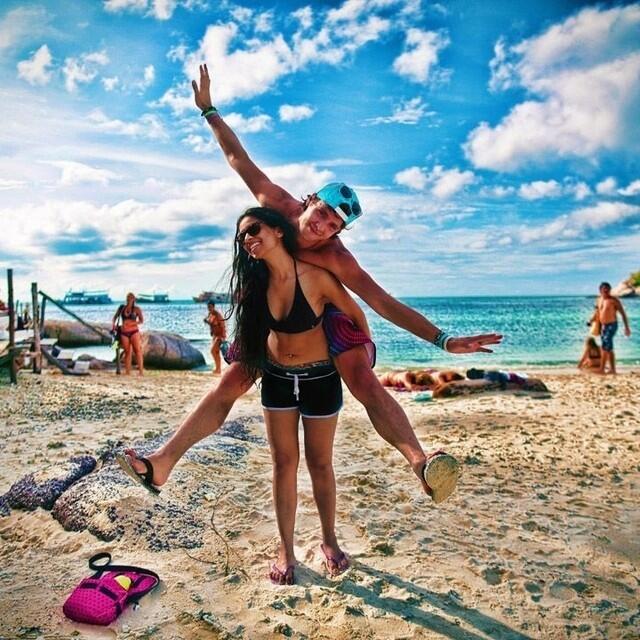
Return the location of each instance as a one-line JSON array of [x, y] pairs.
[[335, 565], [277, 576]]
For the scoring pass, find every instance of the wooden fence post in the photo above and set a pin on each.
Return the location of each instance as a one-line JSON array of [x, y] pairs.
[[37, 357], [13, 373]]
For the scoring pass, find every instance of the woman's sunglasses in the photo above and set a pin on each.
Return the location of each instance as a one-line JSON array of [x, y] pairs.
[[252, 230]]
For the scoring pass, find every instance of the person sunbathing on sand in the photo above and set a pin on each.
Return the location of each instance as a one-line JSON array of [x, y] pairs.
[[318, 221], [591, 357], [419, 380]]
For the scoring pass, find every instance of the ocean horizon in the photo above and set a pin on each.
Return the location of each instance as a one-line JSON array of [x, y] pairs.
[[538, 330]]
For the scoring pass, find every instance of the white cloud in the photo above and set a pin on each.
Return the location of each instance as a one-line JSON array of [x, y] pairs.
[[420, 55], [443, 183], [632, 189], [305, 16], [36, 70], [199, 144], [585, 74], [177, 53], [540, 189], [407, 112], [79, 173], [110, 84], [413, 177], [83, 69], [6, 185], [149, 75], [447, 182], [607, 187], [575, 224], [22, 24], [294, 113], [252, 124], [498, 191], [248, 66], [147, 126], [159, 9], [263, 22], [178, 99], [580, 190]]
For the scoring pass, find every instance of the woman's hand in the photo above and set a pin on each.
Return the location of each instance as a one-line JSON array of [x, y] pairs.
[[473, 344], [202, 94]]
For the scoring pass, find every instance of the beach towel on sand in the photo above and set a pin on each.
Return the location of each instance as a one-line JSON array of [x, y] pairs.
[[102, 597]]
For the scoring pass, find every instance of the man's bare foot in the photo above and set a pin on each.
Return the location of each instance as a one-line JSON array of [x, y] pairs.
[[161, 467]]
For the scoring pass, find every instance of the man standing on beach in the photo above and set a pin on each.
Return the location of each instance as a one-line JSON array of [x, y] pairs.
[[608, 308], [218, 332], [319, 219]]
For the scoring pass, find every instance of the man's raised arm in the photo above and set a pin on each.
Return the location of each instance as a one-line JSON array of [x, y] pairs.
[[266, 192], [339, 261]]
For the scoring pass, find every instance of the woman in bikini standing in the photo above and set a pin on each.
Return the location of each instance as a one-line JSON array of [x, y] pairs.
[[129, 333]]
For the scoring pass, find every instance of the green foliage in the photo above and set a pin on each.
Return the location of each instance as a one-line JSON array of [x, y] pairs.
[[634, 279]]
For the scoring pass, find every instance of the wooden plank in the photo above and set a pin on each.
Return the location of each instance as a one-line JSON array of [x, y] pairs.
[[13, 374], [104, 336], [37, 357]]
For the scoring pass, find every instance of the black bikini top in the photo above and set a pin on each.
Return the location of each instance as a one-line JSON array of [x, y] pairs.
[[128, 315], [301, 317]]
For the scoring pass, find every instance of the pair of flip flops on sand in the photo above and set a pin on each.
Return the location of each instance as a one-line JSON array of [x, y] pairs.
[[335, 566], [440, 472]]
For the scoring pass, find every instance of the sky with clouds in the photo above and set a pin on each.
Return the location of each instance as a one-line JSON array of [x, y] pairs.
[[494, 145]]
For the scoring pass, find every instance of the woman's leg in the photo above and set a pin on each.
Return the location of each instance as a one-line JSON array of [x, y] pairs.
[[125, 343], [215, 352], [282, 431], [205, 419], [136, 342], [318, 446]]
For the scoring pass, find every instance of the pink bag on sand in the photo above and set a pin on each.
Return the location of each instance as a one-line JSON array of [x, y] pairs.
[[101, 598]]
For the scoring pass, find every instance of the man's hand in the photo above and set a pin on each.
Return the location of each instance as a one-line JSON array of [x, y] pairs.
[[202, 95], [472, 344], [627, 332]]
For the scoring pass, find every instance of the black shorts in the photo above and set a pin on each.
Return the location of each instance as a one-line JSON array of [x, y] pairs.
[[315, 391]]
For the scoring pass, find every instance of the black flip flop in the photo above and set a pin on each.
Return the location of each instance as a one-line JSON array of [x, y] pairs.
[[144, 479]]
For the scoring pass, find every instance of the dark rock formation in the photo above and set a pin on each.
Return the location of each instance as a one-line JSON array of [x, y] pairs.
[[43, 488], [163, 350]]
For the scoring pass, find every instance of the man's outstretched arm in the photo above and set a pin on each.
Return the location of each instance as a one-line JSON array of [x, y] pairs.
[[345, 267], [266, 192]]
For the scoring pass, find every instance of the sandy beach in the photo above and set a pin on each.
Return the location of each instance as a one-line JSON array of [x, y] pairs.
[[540, 540]]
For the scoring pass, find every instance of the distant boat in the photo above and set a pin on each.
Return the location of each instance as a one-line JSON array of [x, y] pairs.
[[86, 297], [215, 296], [153, 298]]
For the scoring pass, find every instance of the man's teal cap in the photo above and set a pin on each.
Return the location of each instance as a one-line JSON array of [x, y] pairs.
[[343, 200]]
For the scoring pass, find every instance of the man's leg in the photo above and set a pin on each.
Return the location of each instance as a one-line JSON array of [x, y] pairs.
[[386, 415], [204, 420], [612, 362]]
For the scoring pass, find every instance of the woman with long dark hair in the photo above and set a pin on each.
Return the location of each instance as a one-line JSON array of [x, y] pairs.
[[279, 304]]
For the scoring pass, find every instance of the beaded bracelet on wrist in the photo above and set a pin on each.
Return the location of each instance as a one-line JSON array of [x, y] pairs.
[[441, 340]]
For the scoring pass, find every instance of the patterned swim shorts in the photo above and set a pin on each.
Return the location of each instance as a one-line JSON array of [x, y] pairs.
[[607, 332]]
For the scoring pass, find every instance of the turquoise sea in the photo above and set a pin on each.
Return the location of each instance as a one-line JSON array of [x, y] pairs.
[[537, 330]]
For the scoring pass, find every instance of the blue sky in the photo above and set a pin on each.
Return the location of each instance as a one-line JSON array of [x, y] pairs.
[[494, 145]]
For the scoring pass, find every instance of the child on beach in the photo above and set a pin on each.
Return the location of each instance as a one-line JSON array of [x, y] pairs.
[[608, 308]]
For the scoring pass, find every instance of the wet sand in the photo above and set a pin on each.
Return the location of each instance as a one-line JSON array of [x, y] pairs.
[[540, 540]]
